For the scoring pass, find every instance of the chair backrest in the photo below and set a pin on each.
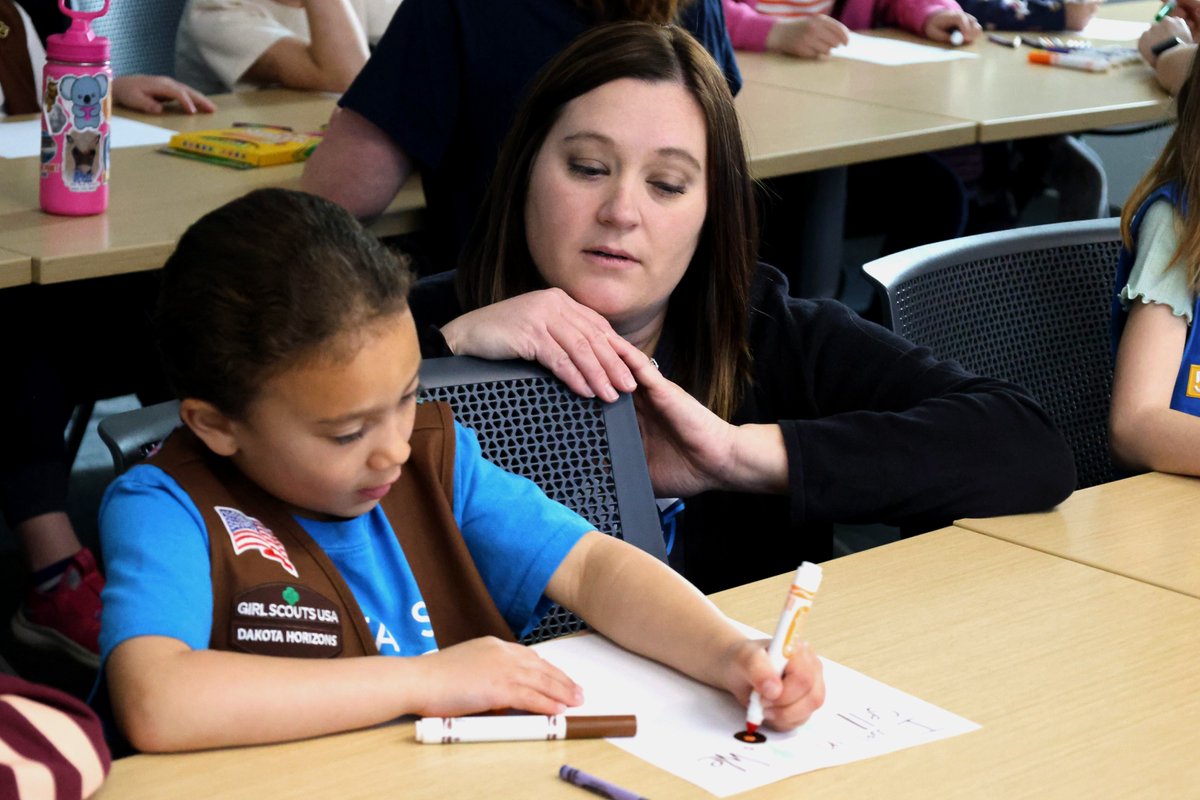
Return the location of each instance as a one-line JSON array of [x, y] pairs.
[[582, 452], [141, 33], [1029, 305]]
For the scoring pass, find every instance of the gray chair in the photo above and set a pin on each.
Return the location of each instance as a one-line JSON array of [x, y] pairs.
[[583, 453], [141, 33], [1029, 305]]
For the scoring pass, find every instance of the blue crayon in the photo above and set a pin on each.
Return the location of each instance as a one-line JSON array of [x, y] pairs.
[[596, 785]]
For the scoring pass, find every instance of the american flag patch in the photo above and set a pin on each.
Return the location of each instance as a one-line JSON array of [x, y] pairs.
[[247, 533]]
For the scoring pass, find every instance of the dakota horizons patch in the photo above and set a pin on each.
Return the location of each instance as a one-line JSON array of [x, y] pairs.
[[247, 533], [284, 619]]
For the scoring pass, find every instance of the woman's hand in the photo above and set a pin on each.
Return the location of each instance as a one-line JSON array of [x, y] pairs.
[[807, 37], [486, 674], [689, 449], [567, 338], [787, 701], [941, 24], [148, 94]]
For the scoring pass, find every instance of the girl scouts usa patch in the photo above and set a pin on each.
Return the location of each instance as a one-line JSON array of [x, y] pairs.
[[247, 533], [284, 619]]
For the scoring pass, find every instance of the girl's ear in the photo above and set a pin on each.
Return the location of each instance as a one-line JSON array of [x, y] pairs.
[[212, 426]]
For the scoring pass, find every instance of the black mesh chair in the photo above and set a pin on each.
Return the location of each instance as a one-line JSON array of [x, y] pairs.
[[1029, 305], [141, 33], [583, 453]]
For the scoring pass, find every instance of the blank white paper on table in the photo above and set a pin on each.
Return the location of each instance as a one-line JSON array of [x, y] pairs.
[[895, 52], [23, 139], [687, 728], [1113, 30]]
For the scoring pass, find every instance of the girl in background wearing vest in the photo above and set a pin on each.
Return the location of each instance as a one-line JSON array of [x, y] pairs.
[[307, 497], [1157, 373]]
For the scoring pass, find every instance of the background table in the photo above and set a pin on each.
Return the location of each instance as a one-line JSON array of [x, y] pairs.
[[791, 131], [1143, 527], [1000, 92], [1084, 683], [15, 268], [154, 197]]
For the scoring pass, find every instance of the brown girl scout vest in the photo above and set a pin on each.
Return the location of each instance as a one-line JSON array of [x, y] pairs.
[[275, 592]]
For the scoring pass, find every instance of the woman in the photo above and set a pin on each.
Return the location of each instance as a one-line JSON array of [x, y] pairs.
[[619, 225]]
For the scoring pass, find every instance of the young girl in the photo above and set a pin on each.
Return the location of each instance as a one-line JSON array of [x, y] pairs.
[[1156, 381], [310, 508]]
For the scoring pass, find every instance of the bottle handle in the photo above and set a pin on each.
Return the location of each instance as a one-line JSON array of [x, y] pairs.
[[83, 15]]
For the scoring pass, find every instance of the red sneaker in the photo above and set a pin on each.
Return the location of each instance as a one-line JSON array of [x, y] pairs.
[[66, 618]]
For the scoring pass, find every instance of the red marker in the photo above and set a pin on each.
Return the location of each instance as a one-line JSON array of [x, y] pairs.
[[787, 632]]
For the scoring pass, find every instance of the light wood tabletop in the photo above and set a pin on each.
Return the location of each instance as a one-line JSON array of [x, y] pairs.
[[1084, 683], [15, 268], [1007, 97], [154, 197], [1142, 527], [790, 131]]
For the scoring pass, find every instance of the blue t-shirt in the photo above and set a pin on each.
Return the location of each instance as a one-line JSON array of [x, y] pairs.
[[447, 77], [157, 564]]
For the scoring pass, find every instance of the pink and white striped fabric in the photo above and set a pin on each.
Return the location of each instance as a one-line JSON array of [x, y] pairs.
[[51, 744]]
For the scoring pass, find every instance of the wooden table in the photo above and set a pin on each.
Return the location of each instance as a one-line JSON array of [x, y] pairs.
[[15, 268], [790, 131], [154, 197], [1085, 683], [1143, 527], [1000, 92]]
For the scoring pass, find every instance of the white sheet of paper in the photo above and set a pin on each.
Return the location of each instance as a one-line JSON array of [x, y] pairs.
[[1112, 30], [687, 728], [894, 52], [24, 138]]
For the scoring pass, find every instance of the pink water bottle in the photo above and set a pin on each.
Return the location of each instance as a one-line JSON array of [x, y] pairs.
[[76, 108]]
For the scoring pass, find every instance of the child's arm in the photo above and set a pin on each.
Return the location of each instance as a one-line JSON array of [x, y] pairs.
[[336, 53], [148, 93], [646, 607], [168, 697], [1146, 433], [807, 37], [1174, 65]]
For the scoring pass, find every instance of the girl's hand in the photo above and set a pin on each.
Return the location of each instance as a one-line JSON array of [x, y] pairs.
[[1189, 12], [787, 702], [808, 37], [148, 93], [486, 674], [1160, 31], [940, 24], [567, 338]]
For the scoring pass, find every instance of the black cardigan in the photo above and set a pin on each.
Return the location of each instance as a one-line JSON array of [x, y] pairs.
[[876, 430]]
